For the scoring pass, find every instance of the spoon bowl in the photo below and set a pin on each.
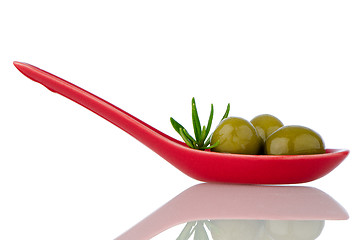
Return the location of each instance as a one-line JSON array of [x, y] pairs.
[[201, 165]]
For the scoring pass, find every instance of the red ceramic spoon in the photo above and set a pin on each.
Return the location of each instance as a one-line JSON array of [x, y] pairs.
[[201, 165]]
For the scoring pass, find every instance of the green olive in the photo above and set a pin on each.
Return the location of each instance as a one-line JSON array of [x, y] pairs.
[[236, 135], [266, 124], [294, 140]]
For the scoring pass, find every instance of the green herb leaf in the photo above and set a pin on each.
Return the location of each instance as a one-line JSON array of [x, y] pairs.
[[203, 134], [187, 134], [188, 141], [207, 142], [211, 116], [176, 125], [196, 121], [226, 112], [212, 146], [200, 133]]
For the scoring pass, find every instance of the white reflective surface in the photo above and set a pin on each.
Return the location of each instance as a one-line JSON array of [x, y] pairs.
[[224, 211], [65, 173]]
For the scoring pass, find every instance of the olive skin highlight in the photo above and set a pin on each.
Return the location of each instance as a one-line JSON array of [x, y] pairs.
[[236, 135], [266, 124], [294, 140]]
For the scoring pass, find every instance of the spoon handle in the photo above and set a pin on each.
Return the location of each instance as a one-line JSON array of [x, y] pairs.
[[143, 132]]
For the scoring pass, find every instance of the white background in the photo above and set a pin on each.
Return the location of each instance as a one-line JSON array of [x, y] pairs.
[[65, 173]]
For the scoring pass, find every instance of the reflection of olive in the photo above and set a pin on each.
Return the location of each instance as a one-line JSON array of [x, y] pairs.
[[297, 229], [236, 135], [294, 140], [266, 124], [235, 229]]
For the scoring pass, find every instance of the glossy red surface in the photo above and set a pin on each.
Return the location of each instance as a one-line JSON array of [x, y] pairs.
[[201, 165]]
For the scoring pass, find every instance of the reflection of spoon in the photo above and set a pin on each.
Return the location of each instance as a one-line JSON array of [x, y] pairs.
[[219, 201], [202, 165]]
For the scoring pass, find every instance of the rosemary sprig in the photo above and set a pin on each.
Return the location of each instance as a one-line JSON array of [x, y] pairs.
[[201, 140]]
